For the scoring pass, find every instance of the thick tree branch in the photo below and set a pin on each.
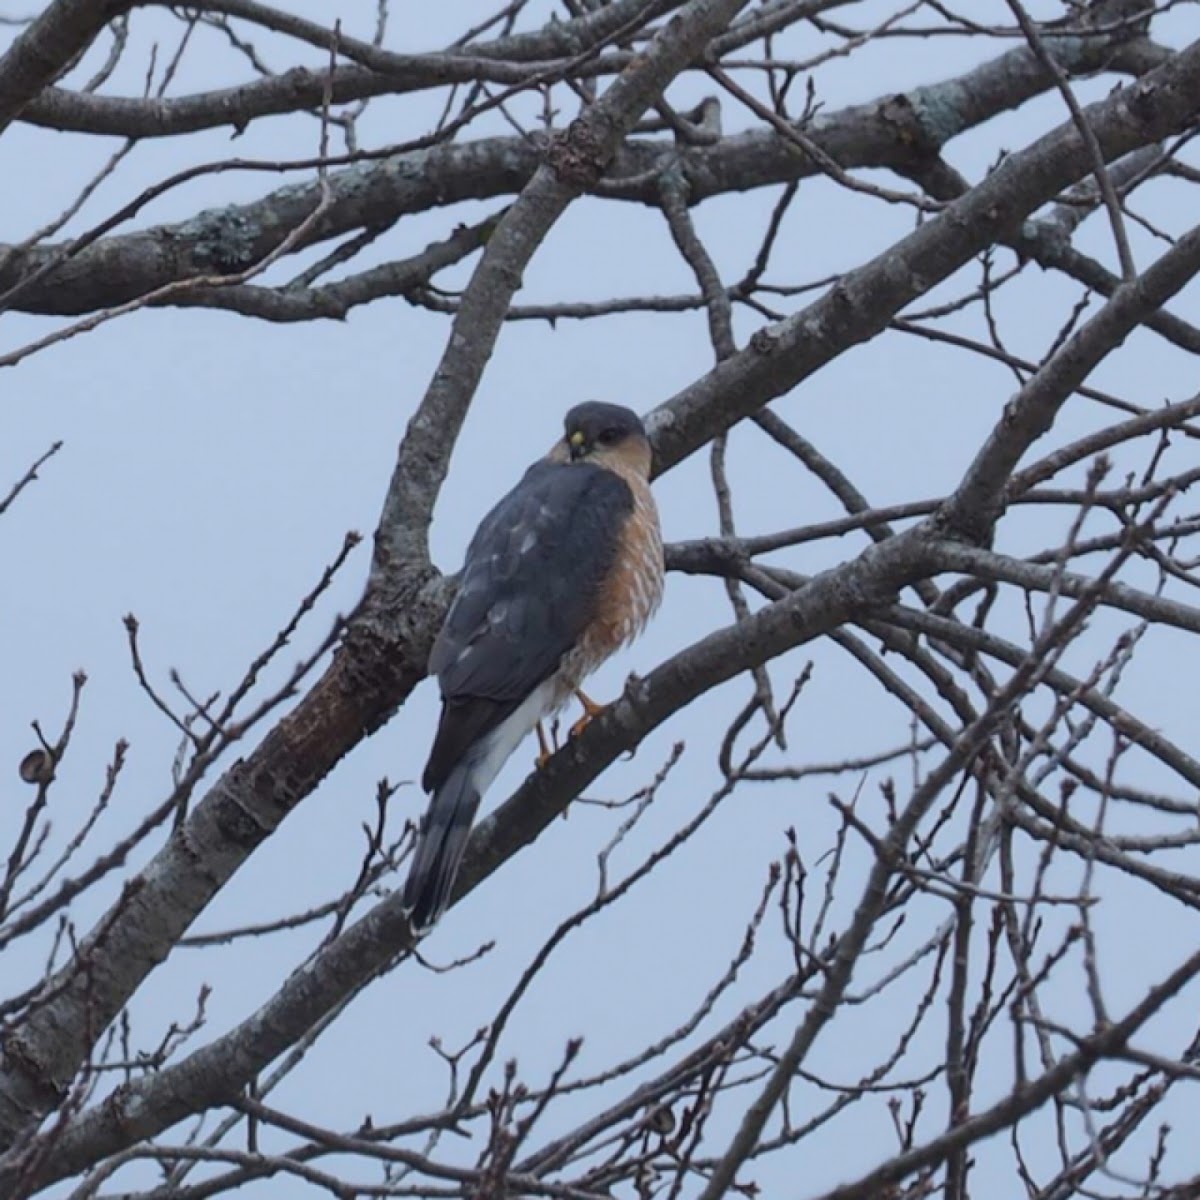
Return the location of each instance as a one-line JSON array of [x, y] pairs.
[[897, 131], [336, 299], [1009, 80], [556, 39], [47, 47], [523, 58]]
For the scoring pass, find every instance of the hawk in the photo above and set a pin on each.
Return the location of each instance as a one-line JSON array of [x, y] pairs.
[[565, 570]]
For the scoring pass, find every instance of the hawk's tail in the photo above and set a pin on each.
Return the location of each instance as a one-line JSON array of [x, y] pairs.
[[440, 846]]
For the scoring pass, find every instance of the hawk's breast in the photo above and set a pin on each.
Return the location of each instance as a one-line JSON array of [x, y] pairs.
[[631, 592]]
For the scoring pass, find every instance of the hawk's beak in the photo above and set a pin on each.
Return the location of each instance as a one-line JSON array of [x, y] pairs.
[[576, 443]]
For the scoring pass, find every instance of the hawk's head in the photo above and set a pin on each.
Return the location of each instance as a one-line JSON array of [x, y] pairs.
[[608, 435]]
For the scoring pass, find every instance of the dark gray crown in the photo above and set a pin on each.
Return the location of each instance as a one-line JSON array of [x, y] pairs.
[[600, 422]]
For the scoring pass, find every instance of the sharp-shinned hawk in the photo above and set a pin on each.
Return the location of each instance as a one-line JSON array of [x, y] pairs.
[[566, 569]]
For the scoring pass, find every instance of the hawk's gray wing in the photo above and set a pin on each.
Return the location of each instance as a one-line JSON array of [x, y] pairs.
[[528, 590]]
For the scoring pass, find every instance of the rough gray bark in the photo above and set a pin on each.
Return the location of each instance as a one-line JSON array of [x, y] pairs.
[[64, 29]]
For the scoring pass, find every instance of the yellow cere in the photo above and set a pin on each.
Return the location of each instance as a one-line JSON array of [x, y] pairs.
[[576, 439]]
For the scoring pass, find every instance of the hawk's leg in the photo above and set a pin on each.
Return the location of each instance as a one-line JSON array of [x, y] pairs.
[[591, 710], [545, 750]]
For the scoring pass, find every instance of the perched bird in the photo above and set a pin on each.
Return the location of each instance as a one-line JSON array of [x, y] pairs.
[[566, 569]]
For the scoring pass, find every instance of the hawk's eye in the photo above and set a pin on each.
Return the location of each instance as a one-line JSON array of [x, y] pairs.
[[609, 437]]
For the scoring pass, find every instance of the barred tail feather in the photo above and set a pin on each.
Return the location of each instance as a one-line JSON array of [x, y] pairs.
[[440, 847]]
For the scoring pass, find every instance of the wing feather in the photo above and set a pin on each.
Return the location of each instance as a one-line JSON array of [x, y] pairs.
[[529, 588]]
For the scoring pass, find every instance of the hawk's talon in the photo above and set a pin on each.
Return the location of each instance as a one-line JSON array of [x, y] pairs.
[[591, 710], [545, 750]]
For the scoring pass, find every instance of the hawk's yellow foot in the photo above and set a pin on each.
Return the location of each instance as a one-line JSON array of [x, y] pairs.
[[591, 710], [545, 749]]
